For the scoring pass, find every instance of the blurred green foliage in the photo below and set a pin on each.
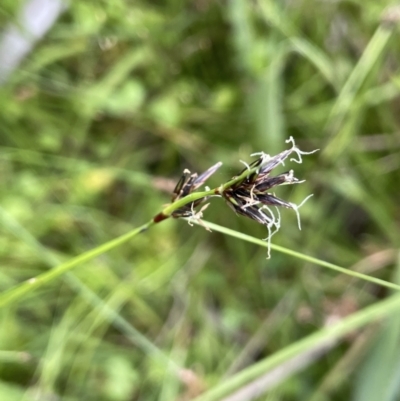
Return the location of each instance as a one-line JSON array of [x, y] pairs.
[[96, 126]]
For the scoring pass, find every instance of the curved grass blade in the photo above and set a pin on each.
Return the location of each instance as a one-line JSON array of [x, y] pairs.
[[298, 255], [357, 320]]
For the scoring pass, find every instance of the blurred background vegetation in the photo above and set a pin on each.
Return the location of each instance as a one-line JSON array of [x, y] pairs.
[[97, 124]]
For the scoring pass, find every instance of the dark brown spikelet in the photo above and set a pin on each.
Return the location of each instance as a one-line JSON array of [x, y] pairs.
[[186, 185], [251, 196]]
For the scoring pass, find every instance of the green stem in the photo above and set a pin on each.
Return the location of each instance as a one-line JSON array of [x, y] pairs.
[[44, 278]]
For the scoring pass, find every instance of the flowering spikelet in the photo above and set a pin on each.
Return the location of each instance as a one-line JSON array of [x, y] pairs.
[[186, 185], [248, 194], [250, 197]]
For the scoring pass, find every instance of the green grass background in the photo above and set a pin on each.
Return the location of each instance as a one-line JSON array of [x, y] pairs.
[[97, 125]]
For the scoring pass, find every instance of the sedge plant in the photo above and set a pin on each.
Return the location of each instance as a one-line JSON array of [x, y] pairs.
[[249, 194]]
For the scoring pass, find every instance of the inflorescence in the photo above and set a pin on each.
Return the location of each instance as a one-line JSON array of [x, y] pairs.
[[248, 193]]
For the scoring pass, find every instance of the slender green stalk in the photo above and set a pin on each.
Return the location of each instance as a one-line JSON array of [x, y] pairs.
[[44, 278]]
